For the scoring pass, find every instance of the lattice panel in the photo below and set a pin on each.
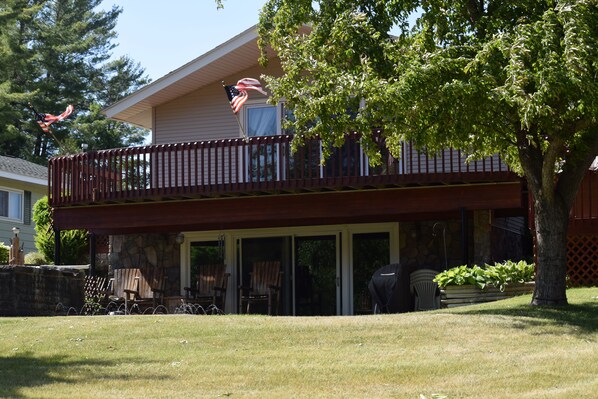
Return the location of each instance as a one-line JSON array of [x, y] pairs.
[[582, 260]]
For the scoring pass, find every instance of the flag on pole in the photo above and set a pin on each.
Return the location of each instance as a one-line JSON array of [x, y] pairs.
[[45, 120], [238, 95]]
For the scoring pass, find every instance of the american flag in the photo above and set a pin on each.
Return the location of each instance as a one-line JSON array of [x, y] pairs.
[[45, 120], [237, 94]]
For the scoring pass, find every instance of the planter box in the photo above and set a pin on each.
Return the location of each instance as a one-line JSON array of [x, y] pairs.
[[460, 295]]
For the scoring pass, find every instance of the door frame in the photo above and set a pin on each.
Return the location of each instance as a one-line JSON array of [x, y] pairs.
[[344, 236]]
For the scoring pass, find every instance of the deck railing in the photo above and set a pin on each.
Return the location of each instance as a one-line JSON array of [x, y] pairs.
[[259, 165]]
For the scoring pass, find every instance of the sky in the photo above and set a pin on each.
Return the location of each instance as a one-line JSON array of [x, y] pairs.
[[163, 35]]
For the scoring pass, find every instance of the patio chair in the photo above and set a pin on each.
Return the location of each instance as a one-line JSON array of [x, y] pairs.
[[264, 287], [130, 287], [209, 287], [424, 290]]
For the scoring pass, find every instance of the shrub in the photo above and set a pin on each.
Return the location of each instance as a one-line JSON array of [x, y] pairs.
[[499, 275], [35, 258], [73, 247], [4, 253]]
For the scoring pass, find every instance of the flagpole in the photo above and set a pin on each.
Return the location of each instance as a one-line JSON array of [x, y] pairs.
[[237, 118], [49, 131]]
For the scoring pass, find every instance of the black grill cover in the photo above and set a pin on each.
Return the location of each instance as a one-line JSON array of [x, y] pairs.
[[389, 289]]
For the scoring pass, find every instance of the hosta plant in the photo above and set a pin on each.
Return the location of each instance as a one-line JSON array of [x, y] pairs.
[[499, 275]]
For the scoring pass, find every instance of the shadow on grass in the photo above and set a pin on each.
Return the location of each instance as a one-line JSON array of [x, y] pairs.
[[33, 372], [582, 317]]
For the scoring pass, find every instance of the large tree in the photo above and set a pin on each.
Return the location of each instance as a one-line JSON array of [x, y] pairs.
[[15, 65], [68, 44], [518, 78]]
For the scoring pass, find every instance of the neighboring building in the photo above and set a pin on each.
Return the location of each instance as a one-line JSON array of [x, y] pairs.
[[201, 194], [22, 183]]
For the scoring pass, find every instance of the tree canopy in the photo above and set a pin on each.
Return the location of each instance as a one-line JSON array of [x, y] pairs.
[[514, 78], [54, 53]]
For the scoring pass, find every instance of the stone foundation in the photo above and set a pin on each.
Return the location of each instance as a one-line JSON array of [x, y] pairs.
[[40, 290], [148, 252]]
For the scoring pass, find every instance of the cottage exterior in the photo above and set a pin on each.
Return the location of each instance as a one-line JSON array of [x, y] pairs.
[[202, 194], [22, 183]]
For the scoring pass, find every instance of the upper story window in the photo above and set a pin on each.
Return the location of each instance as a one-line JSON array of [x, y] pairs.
[[11, 204], [264, 119]]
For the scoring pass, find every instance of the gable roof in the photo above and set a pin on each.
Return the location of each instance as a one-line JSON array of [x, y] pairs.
[[233, 56], [24, 171]]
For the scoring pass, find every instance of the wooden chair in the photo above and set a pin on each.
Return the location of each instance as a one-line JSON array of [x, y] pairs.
[[264, 286], [209, 287], [132, 287]]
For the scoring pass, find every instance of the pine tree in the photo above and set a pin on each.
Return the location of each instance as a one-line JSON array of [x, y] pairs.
[[16, 17], [60, 54]]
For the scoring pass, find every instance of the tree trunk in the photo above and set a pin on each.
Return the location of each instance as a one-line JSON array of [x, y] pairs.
[[551, 223]]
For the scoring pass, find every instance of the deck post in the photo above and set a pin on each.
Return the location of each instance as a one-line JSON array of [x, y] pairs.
[[56, 246], [464, 237], [92, 253]]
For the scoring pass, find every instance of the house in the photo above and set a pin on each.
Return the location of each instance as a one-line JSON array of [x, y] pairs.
[[22, 183], [201, 194]]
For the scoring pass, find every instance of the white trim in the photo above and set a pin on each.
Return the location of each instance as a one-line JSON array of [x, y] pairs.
[[23, 178], [343, 233], [22, 195], [181, 73]]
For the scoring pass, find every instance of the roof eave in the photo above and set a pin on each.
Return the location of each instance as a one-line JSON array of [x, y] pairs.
[[136, 108]]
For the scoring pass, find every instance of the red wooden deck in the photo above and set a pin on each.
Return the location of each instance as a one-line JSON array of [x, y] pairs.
[[258, 166]]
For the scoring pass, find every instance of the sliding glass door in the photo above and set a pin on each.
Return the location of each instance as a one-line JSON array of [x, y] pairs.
[[316, 276]]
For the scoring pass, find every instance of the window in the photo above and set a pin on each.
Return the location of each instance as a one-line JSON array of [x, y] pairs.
[[11, 204], [263, 120]]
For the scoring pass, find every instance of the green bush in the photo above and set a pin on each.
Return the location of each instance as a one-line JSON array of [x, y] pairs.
[[4, 253], [499, 275], [35, 258], [73, 243]]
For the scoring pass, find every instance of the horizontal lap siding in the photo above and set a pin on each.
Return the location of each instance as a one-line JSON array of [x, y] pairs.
[[204, 114]]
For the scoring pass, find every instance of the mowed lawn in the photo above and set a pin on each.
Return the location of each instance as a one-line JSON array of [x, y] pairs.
[[504, 349]]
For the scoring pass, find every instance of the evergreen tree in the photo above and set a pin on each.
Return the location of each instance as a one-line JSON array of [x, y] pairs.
[[16, 17], [66, 46]]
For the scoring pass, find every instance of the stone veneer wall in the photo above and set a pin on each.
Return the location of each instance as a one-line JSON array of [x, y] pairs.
[[40, 290], [422, 243], [148, 251]]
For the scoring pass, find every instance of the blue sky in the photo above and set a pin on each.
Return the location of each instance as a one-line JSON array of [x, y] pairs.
[[163, 35]]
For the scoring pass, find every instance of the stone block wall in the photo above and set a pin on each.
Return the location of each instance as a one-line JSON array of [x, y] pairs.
[[148, 252], [422, 244], [39, 290], [436, 244]]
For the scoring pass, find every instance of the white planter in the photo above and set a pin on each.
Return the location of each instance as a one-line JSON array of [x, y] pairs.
[[460, 295]]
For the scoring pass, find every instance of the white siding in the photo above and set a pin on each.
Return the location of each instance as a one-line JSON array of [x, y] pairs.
[[205, 113]]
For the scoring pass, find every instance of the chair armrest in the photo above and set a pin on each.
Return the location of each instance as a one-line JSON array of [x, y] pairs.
[[131, 293]]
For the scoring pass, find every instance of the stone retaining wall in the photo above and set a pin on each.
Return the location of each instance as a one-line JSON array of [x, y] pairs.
[[39, 290]]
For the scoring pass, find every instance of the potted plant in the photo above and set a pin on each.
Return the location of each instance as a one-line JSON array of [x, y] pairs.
[[464, 285]]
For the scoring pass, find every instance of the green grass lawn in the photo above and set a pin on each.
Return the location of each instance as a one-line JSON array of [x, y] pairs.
[[503, 349]]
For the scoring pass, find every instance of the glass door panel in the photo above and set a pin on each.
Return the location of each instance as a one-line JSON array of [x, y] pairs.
[[262, 121], [267, 249], [316, 276], [205, 253], [371, 251]]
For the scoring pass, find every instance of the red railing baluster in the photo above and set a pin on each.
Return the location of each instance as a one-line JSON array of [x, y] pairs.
[[236, 166]]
